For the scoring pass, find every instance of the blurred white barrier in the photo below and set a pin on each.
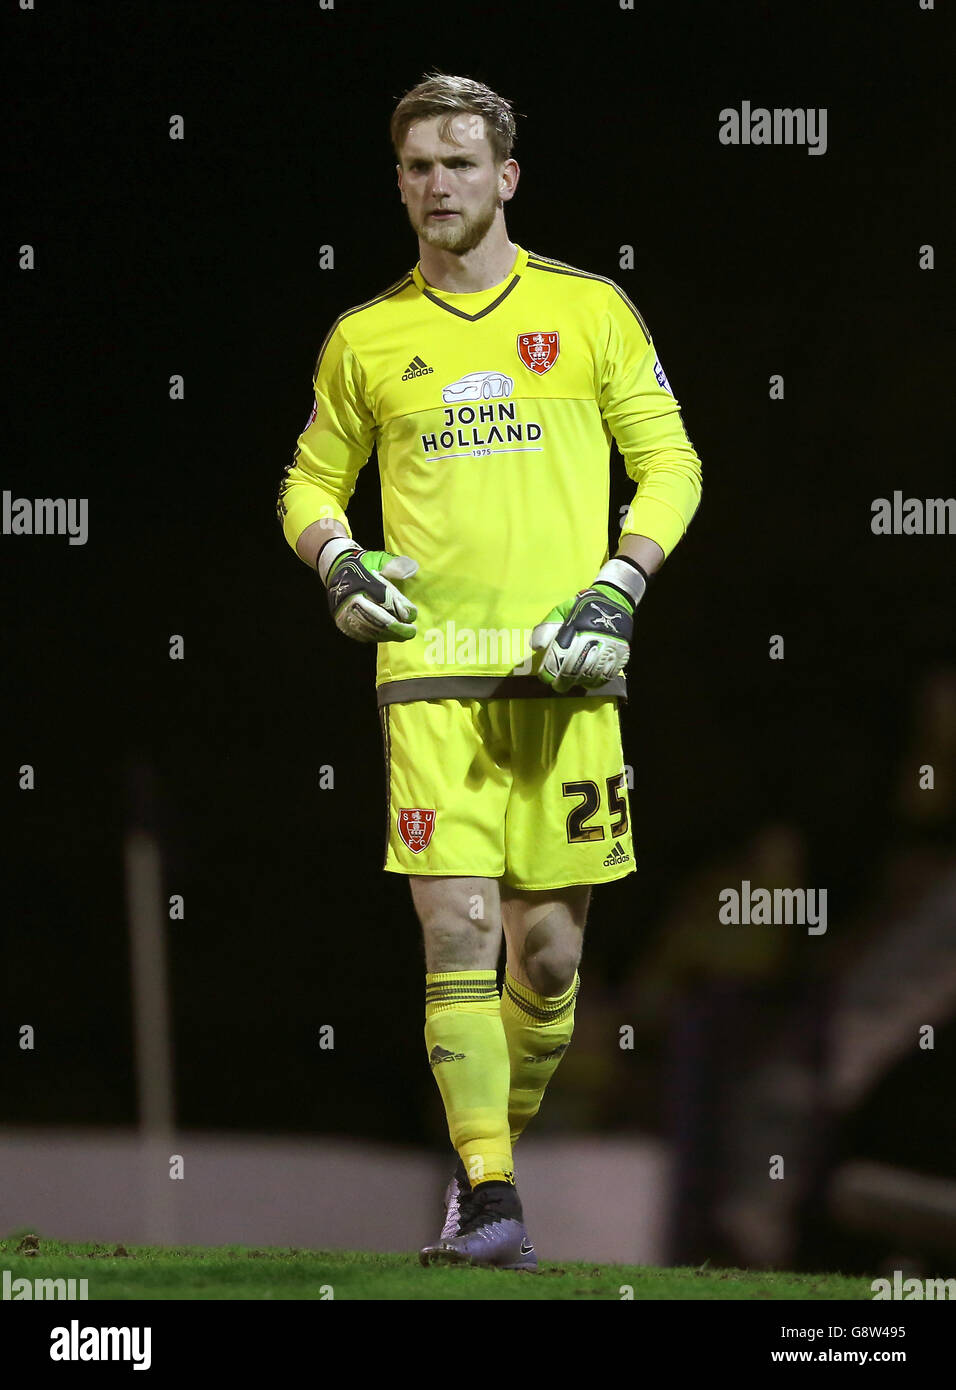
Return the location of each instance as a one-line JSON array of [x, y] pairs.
[[594, 1199]]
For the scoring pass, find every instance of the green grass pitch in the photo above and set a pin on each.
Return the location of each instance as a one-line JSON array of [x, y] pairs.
[[234, 1272]]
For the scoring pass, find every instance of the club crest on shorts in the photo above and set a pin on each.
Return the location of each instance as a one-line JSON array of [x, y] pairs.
[[538, 351], [415, 827]]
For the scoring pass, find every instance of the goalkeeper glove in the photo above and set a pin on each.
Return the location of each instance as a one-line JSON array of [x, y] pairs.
[[586, 640], [363, 603]]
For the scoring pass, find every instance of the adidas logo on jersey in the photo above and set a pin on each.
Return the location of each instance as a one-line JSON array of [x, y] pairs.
[[416, 368], [441, 1054], [618, 855]]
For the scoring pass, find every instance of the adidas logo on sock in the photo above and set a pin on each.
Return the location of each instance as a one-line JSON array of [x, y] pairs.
[[441, 1054], [416, 368], [549, 1056], [618, 855]]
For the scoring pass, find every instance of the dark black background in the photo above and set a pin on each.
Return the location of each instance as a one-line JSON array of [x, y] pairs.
[[200, 257]]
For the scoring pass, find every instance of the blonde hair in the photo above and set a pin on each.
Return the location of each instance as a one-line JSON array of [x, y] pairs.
[[440, 94]]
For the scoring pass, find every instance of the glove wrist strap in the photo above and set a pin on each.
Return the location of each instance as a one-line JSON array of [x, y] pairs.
[[330, 552], [624, 574]]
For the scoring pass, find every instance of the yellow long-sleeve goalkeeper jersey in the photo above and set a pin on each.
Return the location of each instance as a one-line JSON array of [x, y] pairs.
[[492, 416]]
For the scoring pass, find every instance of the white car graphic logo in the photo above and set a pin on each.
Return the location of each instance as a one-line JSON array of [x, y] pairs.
[[478, 386]]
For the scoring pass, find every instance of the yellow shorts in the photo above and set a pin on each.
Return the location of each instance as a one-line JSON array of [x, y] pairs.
[[531, 791]]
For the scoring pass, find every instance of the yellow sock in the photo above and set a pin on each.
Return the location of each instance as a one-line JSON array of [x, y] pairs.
[[538, 1029], [468, 1055]]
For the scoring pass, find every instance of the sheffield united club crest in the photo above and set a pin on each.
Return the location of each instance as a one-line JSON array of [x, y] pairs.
[[538, 351], [415, 827]]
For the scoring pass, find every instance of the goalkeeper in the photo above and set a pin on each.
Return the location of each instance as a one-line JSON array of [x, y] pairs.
[[490, 381]]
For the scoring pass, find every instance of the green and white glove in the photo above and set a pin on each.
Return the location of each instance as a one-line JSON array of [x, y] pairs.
[[363, 603], [587, 639]]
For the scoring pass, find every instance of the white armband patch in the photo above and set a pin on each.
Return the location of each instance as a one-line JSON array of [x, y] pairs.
[[661, 378]]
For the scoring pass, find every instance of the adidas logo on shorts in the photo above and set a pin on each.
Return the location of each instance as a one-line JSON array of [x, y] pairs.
[[618, 855]]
